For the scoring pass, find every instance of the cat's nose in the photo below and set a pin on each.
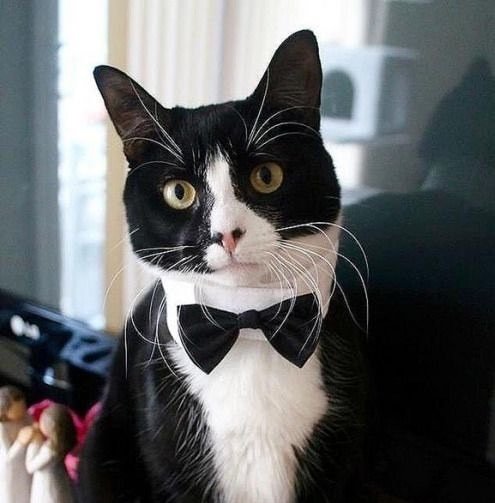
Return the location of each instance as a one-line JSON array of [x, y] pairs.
[[228, 240]]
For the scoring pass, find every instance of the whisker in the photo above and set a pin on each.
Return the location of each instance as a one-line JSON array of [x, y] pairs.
[[165, 248], [123, 268], [290, 133], [344, 295], [274, 270], [293, 290], [203, 306], [156, 142], [242, 119], [157, 337], [133, 170], [281, 112], [287, 246], [318, 318], [333, 224], [250, 139], [287, 123], [315, 290], [150, 313], [128, 235], [347, 260], [131, 316], [167, 136]]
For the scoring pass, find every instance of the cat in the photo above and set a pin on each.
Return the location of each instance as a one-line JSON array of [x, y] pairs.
[[235, 207]]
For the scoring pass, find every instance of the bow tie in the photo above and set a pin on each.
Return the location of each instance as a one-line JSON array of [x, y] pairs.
[[208, 334]]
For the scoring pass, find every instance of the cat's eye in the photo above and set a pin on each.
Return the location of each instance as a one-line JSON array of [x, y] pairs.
[[179, 194], [267, 177]]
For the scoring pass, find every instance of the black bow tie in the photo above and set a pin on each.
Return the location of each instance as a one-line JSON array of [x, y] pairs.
[[290, 327]]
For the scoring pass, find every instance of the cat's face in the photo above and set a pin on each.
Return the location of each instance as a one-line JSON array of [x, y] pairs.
[[223, 189]]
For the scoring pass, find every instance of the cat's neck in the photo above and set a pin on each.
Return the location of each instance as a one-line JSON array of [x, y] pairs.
[[184, 289]]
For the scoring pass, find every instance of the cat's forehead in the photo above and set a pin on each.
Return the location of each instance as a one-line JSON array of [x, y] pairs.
[[207, 124], [207, 134]]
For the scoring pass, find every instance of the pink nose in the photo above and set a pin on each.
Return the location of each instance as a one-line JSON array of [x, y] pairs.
[[228, 240]]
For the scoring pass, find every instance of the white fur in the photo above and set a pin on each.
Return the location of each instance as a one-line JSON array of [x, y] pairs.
[[258, 406], [227, 214]]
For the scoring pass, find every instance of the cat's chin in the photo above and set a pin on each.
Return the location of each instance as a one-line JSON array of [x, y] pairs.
[[241, 274], [235, 274]]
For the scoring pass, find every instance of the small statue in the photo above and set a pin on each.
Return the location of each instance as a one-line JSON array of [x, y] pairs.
[[15, 482], [51, 439]]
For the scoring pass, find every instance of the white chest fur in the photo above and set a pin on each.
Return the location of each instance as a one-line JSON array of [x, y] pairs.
[[258, 407]]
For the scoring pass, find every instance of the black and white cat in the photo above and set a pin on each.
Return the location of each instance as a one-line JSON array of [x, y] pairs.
[[235, 208]]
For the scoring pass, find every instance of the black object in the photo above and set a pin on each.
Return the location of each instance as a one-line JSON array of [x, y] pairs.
[[431, 340], [51, 356], [288, 326]]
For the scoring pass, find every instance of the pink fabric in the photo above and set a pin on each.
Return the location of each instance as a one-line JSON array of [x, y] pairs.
[[81, 424]]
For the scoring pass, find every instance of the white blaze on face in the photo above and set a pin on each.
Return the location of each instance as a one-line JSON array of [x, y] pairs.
[[228, 214], [260, 409]]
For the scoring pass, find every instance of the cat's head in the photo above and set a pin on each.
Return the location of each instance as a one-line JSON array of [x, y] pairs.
[[228, 189]]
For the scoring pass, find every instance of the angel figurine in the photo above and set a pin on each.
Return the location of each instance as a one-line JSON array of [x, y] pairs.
[[15, 482], [53, 437]]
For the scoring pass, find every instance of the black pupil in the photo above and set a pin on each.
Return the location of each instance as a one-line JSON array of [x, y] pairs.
[[179, 191], [265, 175]]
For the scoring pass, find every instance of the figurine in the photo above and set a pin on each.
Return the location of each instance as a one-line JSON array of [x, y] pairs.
[[53, 437], [15, 482]]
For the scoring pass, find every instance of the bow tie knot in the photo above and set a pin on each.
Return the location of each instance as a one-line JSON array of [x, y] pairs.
[[249, 319]]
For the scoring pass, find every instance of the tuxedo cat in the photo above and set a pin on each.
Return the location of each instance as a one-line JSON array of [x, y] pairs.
[[238, 378]]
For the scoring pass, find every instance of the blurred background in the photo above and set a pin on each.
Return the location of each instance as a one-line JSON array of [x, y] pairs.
[[408, 114], [387, 64]]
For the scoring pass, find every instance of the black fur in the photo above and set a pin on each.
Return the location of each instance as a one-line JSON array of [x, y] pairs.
[[136, 450]]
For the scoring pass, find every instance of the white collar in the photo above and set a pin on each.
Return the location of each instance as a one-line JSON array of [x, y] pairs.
[[183, 289]]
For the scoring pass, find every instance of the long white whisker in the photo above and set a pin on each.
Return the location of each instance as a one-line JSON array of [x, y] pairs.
[[281, 112], [344, 296], [157, 284], [129, 234], [288, 123], [342, 228], [167, 136], [156, 142], [242, 119], [123, 268], [318, 320], [290, 133], [274, 270], [347, 260], [292, 288], [315, 290], [175, 165], [165, 248], [250, 139], [365, 291], [203, 306], [157, 337], [307, 253], [130, 316], [180, 261]]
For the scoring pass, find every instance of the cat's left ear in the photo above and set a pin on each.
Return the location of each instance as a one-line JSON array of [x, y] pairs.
[[293, 78]]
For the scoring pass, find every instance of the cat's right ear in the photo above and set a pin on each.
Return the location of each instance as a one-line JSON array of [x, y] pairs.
[[133, 111]]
